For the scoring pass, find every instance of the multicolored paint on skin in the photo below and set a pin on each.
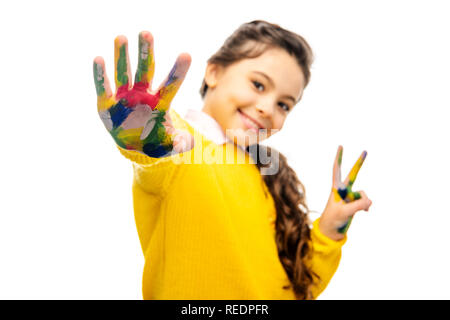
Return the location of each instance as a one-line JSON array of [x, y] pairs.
[[146, 63], [135, 116], [104, 101], [121, 62], [343, 190]]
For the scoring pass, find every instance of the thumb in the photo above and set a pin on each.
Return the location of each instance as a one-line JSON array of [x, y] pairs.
[[183, 141]]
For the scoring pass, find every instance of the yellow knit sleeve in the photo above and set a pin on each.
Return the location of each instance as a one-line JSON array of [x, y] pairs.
[[325, 258], [154, 175]]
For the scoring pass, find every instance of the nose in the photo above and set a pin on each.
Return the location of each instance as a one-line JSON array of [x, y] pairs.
[[265, 110]]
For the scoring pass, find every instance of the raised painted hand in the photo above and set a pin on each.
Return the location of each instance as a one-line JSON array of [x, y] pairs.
[[137, 117], [343, 202]]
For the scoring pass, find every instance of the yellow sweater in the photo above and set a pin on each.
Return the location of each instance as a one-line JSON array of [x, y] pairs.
[[207, 230]]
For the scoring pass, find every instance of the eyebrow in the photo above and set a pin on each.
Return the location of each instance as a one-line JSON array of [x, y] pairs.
[[273, 85]]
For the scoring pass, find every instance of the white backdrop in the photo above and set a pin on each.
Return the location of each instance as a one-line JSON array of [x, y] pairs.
[[379, 82]]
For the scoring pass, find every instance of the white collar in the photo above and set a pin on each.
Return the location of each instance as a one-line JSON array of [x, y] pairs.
[[206, 125]]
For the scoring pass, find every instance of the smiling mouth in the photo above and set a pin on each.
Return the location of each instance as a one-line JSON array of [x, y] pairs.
[[249, 122]]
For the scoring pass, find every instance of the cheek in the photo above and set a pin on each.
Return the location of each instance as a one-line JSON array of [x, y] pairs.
[[278, 121], [242, 97]]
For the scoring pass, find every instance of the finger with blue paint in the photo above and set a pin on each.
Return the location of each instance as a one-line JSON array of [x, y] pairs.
[[343, 202], [343, 190]]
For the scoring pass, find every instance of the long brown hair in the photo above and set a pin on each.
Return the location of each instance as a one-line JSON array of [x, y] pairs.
[[292, 229]]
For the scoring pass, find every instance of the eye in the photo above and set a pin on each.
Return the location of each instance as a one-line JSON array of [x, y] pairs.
[[284, 106], [258, 85]]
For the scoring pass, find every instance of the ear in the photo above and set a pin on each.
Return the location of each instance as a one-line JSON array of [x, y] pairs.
[[212, 74]]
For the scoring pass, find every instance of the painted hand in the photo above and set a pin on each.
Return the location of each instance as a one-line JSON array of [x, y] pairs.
[[343, 203], [136, 117]]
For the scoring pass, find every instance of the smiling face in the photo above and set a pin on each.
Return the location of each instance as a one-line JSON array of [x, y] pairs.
[[251, 98]]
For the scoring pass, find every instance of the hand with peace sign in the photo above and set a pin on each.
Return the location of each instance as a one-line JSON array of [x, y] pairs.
[[343, 202], [136, 117]]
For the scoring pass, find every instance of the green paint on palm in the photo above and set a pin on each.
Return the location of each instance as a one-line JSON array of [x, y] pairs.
[[122, 76], [114, 133], [158, 133]]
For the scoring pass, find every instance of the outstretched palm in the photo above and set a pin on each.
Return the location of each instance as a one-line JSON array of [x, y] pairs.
[[136, 117]]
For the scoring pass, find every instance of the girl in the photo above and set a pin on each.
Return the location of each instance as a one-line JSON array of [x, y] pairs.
[[210, 224]]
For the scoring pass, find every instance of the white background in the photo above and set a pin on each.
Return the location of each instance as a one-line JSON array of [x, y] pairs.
[[380, 82]]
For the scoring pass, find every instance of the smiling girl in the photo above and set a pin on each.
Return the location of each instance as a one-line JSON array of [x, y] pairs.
[[224, 229]]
